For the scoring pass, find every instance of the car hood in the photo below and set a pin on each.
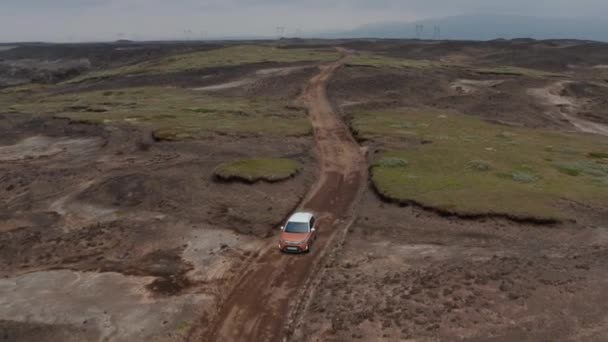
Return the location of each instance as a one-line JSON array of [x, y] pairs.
[[294, 236]]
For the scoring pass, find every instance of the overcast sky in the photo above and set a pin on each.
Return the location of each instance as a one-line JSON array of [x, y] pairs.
[[78, 20]]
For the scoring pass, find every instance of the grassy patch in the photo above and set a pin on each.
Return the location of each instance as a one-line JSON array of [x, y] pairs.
[[523, 176], [472, 167], [380, 61], [375, 126], [230, 56], [254, 170], [480, 165], [391, 162], [176, 114], [583, 167], [515, 71]]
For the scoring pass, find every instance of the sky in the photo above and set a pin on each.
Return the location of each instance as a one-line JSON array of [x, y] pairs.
[[93, 20]]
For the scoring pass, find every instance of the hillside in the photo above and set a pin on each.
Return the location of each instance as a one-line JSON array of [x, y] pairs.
[[488, 27]]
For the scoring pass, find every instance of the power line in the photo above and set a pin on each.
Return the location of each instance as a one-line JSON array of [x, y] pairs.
[[419, 31], [437, 33], [280, 31], [187, 33]]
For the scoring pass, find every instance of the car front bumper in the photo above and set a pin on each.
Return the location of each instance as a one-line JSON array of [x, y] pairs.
[[293, 248]]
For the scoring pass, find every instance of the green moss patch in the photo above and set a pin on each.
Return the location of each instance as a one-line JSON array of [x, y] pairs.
[[470, 167], [598, 155], [255, 170], [171, 134], [515, 71], [175, 113], [391, 162]]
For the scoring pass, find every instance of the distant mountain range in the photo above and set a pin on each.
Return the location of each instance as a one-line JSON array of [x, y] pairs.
[[485, 27]]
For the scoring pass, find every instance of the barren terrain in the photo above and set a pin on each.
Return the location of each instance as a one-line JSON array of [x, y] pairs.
[[462, 190]]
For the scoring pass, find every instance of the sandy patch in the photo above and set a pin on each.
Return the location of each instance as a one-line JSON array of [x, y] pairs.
[[260, 74], [41, 146], [550, 95], [279, 71], [228, 85], [472, 86], [76, 214], [117, 307], [211, 252], [566, 106], [346, 104]]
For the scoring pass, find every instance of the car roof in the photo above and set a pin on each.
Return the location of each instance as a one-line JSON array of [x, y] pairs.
[[300, 217]]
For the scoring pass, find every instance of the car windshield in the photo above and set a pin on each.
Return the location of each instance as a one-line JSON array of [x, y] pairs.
[[296, 227]]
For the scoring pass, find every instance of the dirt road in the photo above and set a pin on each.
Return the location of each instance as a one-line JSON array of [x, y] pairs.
[[257, 308]]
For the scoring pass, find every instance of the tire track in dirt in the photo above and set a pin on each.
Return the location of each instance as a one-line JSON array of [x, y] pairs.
[[257, 309]]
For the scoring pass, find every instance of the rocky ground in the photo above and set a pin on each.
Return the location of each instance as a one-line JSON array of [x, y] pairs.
[[404, 274], [104, 227]]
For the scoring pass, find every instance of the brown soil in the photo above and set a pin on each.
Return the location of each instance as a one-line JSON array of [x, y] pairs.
[[406, 274]]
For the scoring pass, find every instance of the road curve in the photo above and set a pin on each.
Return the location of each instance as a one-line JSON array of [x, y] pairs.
[[257, 308]]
